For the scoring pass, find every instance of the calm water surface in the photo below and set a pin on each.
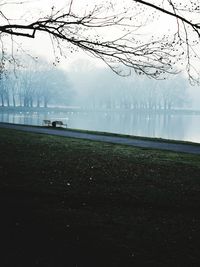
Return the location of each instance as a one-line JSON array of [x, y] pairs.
[[178, 127]]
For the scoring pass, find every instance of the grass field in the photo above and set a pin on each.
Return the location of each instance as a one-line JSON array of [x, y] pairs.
[[70, 202]]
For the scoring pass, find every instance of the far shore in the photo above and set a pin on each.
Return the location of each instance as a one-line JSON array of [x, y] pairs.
[[84, 109]]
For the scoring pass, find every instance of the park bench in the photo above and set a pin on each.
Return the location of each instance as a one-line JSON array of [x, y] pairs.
[[47, 122], [58, 123]]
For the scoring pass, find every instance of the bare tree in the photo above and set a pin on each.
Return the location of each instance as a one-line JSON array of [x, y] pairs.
[[115, 34]]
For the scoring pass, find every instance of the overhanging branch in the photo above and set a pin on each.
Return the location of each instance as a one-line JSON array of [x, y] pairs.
[[152, 58]]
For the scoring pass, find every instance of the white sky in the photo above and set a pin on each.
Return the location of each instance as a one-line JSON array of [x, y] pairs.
[[26, 13], [41, 45]]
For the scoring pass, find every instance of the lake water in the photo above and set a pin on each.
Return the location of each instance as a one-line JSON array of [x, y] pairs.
[[178, 127]]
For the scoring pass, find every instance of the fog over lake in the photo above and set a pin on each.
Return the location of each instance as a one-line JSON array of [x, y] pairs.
[[169, 126], [90, 97]]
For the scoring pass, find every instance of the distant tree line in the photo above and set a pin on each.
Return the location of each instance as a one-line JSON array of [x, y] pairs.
[[89, 87], [37, 85], [103, 90]]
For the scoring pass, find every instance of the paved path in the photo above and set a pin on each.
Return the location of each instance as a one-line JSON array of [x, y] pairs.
[[187, 148]]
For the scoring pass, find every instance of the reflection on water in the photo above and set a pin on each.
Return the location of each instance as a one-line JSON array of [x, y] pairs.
[[179, 127]]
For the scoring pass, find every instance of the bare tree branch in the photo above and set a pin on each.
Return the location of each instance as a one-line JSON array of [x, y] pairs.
[[153, 58], [195, 26]]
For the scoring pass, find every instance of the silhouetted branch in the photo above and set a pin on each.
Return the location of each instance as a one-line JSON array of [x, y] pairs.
[[153, 58]]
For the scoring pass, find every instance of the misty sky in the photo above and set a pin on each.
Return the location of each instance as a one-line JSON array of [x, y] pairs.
[[42, 45], [87, 74]]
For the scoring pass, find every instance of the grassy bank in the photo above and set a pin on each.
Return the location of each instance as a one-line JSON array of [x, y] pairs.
[[69, 202], [135, 137]]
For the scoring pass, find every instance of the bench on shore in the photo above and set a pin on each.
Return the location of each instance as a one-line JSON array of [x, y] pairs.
[[58, 123], [47, 122]]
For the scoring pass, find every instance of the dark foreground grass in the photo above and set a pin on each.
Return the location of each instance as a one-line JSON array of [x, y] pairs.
[[68, 202]]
